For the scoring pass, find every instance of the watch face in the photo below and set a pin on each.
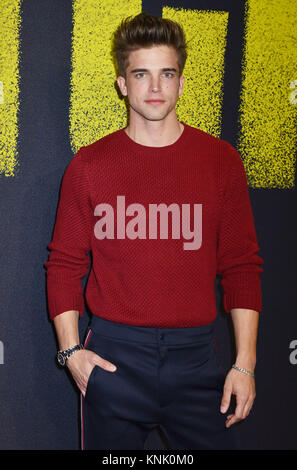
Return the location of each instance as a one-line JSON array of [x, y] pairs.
[[61, 359]]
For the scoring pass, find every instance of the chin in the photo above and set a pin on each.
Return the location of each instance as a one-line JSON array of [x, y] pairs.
[[152, 115], [156, 116]]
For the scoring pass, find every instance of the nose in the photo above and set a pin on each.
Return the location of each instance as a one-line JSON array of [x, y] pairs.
[[155, 84]]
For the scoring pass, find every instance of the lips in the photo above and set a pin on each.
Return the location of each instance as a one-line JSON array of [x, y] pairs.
[[154, 101]]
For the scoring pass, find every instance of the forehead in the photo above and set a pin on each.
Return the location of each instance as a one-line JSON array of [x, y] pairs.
[[153, 57]]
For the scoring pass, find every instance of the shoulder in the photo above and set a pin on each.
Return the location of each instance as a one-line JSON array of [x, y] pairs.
[[220, 150], [100, 148], [213, 143]]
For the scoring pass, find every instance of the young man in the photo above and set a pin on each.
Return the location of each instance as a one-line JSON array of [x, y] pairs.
[[162, 207]]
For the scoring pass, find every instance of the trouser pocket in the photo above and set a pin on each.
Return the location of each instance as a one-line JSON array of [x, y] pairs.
[[99, 377]]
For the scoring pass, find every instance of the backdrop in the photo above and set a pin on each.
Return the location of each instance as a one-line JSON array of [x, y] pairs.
[[57, 93]]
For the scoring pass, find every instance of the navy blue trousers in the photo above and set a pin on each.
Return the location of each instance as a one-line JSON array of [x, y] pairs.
[[166, 377]]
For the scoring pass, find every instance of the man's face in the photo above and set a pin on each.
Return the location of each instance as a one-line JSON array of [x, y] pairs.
[[152, 82]]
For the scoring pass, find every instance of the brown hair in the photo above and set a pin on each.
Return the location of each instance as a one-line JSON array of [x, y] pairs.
[[145, 30]]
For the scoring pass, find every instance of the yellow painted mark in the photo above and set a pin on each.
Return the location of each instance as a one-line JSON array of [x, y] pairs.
[[293, 94], [95, 107], [1, 93], [206, 32], [10, 21], [268, 134]]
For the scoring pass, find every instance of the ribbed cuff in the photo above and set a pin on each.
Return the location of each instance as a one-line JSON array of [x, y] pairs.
[[251, 301], [58, 306]]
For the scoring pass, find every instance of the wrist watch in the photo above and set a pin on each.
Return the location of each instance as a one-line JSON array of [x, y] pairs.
[[62, 356]]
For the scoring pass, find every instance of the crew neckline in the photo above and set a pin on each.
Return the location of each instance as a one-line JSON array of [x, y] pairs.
[[165, 148]]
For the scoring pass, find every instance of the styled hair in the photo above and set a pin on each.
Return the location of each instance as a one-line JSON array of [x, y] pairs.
[[144, 31]]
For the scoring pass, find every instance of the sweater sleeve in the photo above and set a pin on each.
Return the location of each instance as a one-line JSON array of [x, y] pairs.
[[68, 261], [238, 261]]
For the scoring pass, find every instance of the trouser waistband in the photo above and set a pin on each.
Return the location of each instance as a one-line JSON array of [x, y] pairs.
[[146, 334]]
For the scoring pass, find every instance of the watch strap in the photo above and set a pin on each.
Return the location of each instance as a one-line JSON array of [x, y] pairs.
[[63, 355]]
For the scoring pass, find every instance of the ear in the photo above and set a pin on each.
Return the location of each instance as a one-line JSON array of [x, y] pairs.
[[122, 85], [181, 85]]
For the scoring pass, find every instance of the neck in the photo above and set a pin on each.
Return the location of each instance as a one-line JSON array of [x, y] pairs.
[[155, 133]]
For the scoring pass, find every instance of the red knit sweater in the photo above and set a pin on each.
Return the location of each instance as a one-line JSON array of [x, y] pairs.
[[159, 224]]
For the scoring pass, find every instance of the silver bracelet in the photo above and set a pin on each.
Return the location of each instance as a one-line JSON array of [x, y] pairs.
[[245, 371]]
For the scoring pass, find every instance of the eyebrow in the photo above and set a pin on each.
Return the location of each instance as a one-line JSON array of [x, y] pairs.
[[165, 69]]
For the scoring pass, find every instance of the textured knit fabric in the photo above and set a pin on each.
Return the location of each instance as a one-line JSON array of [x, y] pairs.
[[144, 272]]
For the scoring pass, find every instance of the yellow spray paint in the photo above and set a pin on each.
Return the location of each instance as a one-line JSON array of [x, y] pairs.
[[95, 107], [206, 32], [268, 136], [10, 21]]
